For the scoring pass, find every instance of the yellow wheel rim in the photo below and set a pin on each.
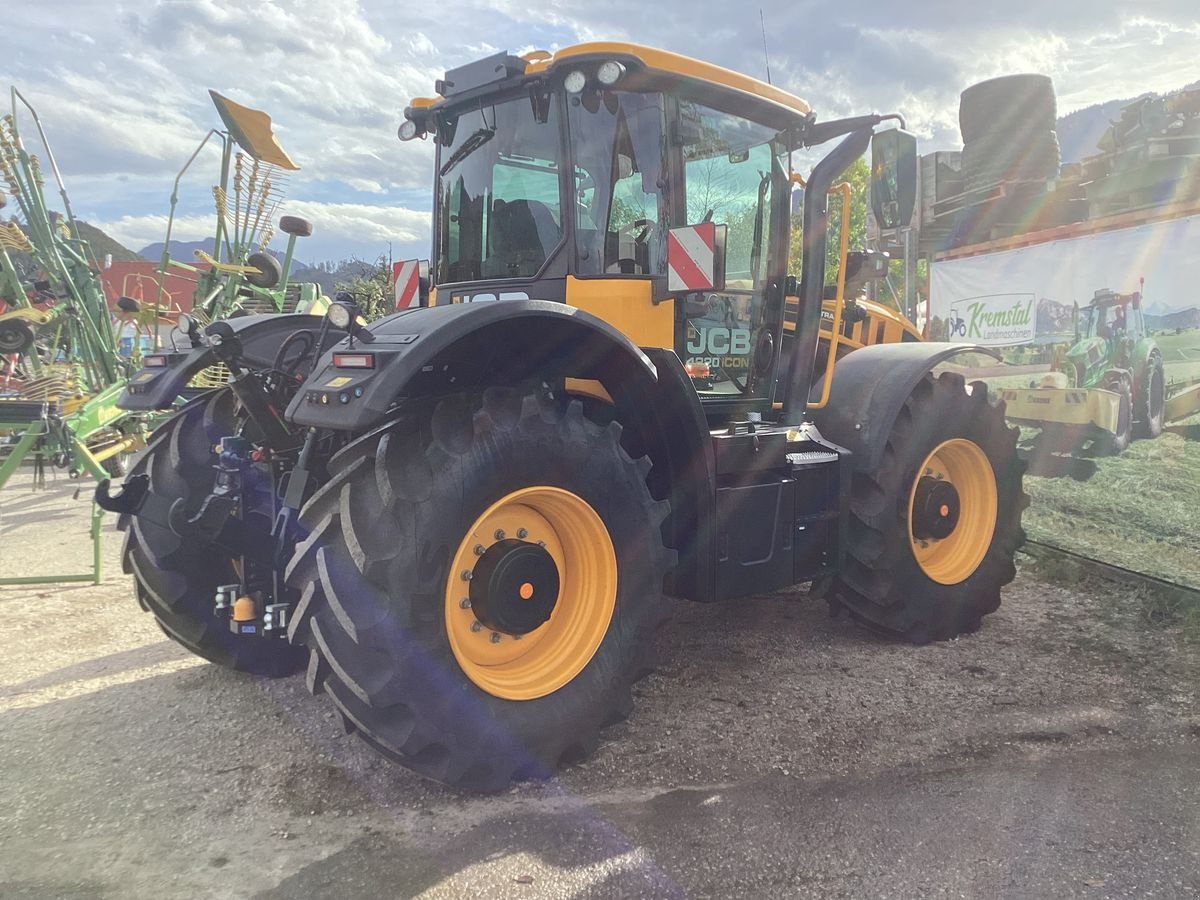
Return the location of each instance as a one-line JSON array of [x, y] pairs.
[[953, 558], [541, 661]]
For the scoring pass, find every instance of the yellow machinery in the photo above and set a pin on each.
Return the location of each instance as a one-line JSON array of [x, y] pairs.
[[480, 501]]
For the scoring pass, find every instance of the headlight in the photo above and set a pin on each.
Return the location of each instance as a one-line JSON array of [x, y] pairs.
[[407, 130], [187, 324], [575, 82], [340, 315], [610, 72]]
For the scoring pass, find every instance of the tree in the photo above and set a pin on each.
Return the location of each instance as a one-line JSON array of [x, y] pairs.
[[371, 288], [856, 175]]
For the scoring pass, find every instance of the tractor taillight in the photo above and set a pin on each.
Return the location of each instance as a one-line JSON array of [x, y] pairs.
[[155, 361], [354, 360]]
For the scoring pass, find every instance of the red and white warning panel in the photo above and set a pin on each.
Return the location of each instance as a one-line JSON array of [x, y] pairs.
[[406, 276], [696, 257]]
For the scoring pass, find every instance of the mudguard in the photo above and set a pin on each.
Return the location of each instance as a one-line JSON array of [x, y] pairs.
[[261, 337], [428, 351], [869, 389]]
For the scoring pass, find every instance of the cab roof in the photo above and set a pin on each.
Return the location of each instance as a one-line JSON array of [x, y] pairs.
[[692, 72]]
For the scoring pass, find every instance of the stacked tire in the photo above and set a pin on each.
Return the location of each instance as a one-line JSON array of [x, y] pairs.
[[1007, 127]]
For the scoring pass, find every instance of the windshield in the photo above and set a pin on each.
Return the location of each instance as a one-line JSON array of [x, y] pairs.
[[500, 210], [1102, 321]]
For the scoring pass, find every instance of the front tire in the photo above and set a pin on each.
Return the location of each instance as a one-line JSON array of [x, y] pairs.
[[933, 531], [424, 662], [1151, 400], [176, 579]]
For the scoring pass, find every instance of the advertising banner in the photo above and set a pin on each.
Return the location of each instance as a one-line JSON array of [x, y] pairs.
[[1100, 338], [1027, 294]]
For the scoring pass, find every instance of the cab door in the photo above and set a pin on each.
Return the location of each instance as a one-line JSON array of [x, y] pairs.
[[734, 172]]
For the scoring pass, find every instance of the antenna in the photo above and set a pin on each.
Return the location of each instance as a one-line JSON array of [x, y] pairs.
[[766, 58]]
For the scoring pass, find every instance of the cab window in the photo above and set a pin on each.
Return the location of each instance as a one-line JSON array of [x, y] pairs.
[[499, 194], [620, 212]]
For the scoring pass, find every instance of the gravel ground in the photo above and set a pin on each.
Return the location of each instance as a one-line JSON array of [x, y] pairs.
[[777, 753]]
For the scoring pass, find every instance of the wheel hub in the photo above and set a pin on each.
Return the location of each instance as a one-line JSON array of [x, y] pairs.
[[936, 508], [514, 587]]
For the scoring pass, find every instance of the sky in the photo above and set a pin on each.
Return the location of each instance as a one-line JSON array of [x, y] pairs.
[[122, 87]]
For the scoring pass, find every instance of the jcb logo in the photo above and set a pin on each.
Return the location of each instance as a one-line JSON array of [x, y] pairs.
[[719, 342]]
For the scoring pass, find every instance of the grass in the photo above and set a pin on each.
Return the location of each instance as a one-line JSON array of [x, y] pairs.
[[1138, 510], [1153, 604]]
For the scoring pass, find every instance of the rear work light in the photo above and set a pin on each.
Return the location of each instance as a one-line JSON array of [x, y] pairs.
[[155, 361], [354, 360]]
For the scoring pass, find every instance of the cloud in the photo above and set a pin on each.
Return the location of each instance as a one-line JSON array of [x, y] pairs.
[[364, 222], [123, 91]]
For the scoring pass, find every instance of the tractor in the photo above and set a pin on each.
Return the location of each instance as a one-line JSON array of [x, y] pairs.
[[1106, 388], [464, 518]]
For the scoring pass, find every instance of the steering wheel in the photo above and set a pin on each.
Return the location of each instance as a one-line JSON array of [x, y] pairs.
[[646, 225], [628, 230]]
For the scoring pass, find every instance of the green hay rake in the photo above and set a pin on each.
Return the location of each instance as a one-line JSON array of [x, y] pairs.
[[62, 373], [239, 276]]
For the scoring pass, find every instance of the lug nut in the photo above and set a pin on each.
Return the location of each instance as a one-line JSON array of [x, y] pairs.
[[541, 543], [522, 533], [466, 575], [479, 551], [476, 626], [464, 603], [495, 637], [499, 534]]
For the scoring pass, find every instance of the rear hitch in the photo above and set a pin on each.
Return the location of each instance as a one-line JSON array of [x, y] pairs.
[[208, 522], [241, 611], [129, 497]]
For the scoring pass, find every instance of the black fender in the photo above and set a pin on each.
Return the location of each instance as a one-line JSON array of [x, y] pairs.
[[431, 351], [869, 389], [261, 337]]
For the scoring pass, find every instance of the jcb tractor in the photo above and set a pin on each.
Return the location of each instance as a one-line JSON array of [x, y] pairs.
[[465, 516]]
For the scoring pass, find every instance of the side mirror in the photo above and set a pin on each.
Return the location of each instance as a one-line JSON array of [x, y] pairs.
[[411, 281], [696, 258], [863, 266], [893, 178]]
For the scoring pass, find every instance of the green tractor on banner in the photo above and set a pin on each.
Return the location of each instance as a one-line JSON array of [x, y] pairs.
[[1107, 388], [463, 518]]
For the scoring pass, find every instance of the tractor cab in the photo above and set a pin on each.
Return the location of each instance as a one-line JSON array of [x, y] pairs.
[[646, 188], [1112, 316]]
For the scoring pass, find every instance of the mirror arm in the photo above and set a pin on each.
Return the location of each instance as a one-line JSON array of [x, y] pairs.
[[812, 277], [821, 132]]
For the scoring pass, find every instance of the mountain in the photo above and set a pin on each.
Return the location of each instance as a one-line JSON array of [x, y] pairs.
[[102, 245], [1079, 131], [1186, 318], [183, 251], [327, 274]]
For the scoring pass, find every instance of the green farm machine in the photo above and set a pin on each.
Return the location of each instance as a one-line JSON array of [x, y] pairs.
[[62, 373], [239, 276], [463, 518], [1108, 387]]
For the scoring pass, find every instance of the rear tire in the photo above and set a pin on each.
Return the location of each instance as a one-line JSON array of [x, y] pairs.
[[381, 587], [883, 584], [1150, 403], [175, 579]]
